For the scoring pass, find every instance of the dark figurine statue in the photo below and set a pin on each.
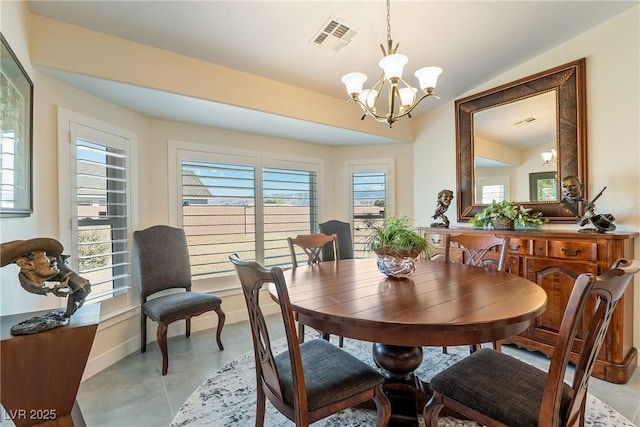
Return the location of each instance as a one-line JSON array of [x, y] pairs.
[[572, 199], [444, 200], [41, 263]]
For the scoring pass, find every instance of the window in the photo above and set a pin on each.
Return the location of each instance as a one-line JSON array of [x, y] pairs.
[[492, 188], [98, 157], [371, 201], [245, 205]]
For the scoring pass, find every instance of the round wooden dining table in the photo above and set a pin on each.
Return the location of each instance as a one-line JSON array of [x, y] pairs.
[[441, 304]]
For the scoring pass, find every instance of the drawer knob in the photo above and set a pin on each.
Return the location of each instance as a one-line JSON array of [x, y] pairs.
[[574, 253], [514, 248]]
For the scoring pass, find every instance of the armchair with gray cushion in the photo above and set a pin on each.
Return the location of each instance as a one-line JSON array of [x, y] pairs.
[[162, 263]]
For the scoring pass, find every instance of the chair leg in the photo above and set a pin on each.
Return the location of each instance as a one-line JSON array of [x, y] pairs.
[[300, 333], [341, 342], [221, 319], [162, 342], [383, 407], [444, 350], [432, 410], [188, 328], [497, 345], [260, 406], [143, 333]]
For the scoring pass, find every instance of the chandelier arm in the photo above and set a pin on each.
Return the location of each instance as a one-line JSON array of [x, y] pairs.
[[393, 93], [415, 104], [404, 82], [369, 112]]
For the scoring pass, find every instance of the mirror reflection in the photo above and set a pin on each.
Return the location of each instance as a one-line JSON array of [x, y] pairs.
[[515, 150], [513, 167]]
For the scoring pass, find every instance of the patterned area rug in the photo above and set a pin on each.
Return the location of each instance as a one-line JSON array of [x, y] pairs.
[[228, 398]]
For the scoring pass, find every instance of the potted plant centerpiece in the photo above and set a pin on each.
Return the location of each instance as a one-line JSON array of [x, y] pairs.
[[507, 215], [397, 246]]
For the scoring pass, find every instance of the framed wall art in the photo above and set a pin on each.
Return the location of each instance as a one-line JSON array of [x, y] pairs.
[[543, 186], [16, 145]]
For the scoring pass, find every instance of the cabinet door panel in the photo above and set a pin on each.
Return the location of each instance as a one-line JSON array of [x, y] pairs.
[[557, 279]]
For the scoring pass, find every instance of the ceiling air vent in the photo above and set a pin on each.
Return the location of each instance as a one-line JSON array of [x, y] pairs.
[[525, 121], [334, 34]]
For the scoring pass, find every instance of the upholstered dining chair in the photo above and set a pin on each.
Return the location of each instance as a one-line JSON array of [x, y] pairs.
[[162, 260], [488, 251], [313, 245], [309, 381], [496, 389], [345, 239]]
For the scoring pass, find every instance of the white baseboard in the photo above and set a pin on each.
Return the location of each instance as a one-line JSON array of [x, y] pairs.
[[203, 322]]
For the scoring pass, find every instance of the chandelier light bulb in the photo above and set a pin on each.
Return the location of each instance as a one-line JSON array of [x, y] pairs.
[[407, 96], [547, 156], [393, 65], [368, 96], [428, 78], [354, 82]]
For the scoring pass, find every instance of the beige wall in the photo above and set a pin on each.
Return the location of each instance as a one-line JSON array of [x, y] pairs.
[[422, 169], [612, 52]]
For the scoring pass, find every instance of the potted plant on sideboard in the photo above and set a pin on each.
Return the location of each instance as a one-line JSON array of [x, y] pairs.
[[507, 215]]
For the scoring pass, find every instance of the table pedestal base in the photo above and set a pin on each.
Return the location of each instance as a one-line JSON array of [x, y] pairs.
[[406, 392]]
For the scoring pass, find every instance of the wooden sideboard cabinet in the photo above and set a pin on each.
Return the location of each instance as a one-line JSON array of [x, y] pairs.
[[553, 259]]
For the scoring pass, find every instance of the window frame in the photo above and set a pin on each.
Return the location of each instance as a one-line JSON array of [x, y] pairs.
[[182, 150], [384, 165], [128, 297]]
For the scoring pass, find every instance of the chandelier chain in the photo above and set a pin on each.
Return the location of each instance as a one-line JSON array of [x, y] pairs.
[[389, 22], [400, 96]]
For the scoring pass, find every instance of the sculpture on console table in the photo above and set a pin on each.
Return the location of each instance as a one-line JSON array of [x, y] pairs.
[[572, 197], [41, 262], [444, 201]]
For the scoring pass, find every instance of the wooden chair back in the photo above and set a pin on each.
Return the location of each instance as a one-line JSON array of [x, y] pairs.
[[478, 385], [312, 245], [253, 277], [339, 391], [479, 250], [592, 302]]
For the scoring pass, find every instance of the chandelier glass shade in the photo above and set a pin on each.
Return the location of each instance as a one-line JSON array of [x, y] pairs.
[[548, 156], [401, 97]]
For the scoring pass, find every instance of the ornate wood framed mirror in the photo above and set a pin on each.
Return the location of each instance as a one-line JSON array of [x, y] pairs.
[[502, 133]]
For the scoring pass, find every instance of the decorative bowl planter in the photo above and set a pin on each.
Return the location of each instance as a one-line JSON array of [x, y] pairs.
[[394, 262]]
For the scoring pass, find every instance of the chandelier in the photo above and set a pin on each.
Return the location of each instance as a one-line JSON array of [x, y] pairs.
[[401, 97]]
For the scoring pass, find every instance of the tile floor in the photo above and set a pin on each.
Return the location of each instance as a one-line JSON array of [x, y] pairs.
[[133, 393]]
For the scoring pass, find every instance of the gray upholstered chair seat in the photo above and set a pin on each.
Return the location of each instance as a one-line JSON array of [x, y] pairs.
[[325, 367], [179, 305], [500, 386]]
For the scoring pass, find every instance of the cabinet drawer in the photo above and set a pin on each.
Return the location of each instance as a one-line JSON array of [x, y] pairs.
[[436, 240], [573, 250], [518, 246]]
